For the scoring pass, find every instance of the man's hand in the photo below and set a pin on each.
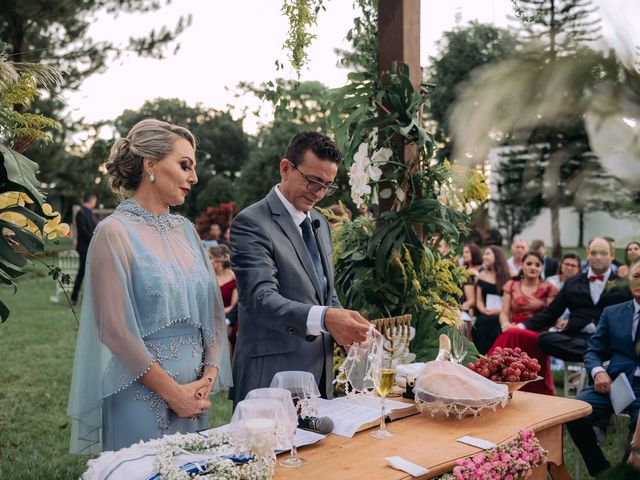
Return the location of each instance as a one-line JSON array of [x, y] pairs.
[[346, 326], [561, 324], [602, 382]]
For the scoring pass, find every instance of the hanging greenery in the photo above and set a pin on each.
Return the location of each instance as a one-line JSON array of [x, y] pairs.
[[302, 15]]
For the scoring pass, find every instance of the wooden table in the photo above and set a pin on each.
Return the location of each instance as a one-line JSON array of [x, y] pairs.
[[431, 442]]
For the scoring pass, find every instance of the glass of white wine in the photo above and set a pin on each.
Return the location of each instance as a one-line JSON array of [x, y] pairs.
[[384, 383]]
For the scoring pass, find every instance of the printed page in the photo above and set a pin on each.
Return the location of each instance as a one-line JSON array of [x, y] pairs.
[[349, 415], [621, 393]]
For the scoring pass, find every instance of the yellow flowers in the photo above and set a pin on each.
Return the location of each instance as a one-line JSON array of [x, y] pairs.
[[53, 226], [10, 199], [447, 314]]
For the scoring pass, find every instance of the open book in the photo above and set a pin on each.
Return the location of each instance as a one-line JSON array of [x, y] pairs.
[[354, 415]]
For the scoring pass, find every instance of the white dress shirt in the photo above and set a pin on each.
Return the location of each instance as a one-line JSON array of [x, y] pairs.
[[314, 318], [634, 327]]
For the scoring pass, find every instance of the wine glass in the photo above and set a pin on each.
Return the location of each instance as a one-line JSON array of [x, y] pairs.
[[304, 392], [259, 424], [458, 343], [383, 381], [284, 397]]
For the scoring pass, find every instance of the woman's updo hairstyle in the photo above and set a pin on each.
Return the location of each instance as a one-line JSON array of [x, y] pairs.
[[148, 138], [222, 253]]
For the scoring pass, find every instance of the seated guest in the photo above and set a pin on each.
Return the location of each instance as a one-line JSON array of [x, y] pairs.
[[518, 248], [549, 264], [338, 215], [221, 261], [569, 266], [631, 254], [522, 298], [491, 279], [614, 263], [615, 340], [213, 237], [443, 247], [585, 296], [472, 259]]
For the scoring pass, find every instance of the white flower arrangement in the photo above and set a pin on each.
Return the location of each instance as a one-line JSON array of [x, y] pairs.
[[365, 172], [258, 468]]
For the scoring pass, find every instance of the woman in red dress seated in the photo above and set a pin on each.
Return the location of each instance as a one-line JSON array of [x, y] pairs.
[[522, 298]]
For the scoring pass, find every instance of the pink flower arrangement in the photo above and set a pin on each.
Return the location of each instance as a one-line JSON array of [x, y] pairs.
[[510, 461]]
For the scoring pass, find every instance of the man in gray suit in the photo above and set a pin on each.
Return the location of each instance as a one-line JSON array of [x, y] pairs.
[[288, 311]]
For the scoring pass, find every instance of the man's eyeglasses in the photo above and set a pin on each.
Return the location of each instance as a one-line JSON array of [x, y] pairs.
[[316, 186]]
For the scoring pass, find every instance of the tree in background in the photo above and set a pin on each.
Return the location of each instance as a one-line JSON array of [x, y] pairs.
[[518, 199], [363, 54], [559, 28], [56, 33], [222, 215], [461, 51], [297, 106], [222, 147]]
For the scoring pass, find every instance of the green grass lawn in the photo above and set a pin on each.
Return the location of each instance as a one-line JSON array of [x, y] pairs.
[[36, 350]]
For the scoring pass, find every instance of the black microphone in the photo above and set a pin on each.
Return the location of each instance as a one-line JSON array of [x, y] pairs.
[[316, 224], [323, 425]]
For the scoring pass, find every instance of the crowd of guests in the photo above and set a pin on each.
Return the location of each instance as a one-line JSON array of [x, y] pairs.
[[573, 310]]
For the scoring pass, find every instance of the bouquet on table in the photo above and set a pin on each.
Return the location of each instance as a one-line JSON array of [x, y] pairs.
[[513, 460]]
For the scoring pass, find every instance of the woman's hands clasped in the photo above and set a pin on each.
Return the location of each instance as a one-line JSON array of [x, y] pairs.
[[187, 400]]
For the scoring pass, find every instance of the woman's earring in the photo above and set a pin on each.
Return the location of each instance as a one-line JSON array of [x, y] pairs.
[[152, 178]]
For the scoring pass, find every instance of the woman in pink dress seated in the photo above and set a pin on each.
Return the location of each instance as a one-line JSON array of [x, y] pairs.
[[522, 298]]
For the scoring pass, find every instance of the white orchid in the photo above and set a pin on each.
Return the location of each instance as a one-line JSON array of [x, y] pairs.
[[365, 170]]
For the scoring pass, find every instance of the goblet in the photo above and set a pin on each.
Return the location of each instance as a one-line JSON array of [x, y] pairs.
[[259, 424], [284, 397], [458, 342], [383, 380], [304, 392]]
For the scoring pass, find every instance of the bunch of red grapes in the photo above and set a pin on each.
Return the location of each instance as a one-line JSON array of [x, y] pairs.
[[507, 365]]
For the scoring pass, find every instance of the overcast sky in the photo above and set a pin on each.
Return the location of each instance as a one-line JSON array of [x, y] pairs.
[[232, 41], [239, 40]]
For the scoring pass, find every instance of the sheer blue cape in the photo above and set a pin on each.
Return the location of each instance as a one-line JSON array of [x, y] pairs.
[[143, 273]]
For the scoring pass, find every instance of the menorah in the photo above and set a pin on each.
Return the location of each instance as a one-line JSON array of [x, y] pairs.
[[396, 332]]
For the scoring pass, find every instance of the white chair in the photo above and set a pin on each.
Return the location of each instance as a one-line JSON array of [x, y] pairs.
[[575, 378]]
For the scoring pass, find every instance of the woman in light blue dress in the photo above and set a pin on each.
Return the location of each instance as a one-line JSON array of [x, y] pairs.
[[152, 342]]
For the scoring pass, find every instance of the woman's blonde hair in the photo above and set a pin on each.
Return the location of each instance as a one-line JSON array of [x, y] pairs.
[[148, 138]]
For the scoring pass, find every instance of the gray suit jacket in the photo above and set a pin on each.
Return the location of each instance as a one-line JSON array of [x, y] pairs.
[[277, 287]]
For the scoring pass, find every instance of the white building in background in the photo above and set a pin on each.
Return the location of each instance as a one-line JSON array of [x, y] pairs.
[[624, 230], [596, 224]]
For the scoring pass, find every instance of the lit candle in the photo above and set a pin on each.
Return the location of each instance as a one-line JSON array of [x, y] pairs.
[[260, 425]]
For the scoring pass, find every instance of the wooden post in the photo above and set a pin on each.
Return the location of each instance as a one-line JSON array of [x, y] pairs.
[[399, 41], [399, 36]]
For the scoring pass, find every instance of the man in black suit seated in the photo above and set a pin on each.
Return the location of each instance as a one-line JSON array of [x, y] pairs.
[[585, 295], [616, 340]]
